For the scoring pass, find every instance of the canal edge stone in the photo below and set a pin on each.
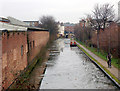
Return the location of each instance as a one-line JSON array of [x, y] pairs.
[[116, 83]]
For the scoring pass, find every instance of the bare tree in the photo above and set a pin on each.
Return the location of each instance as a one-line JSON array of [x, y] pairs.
[[102, 14], [48, 22], [78, 31], [83, 31], [107, 13]]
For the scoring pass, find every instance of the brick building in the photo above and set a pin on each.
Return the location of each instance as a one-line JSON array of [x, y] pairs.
[[69, 27], [14, 55], [19, 45], [37, 38], [32, 23]]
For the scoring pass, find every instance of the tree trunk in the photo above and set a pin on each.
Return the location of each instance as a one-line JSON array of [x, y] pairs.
[[98, 41], [109, 41]]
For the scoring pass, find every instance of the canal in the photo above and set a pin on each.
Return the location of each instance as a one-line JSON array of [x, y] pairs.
[[69, 68]]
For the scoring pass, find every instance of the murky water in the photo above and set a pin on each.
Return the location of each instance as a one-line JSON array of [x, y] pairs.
[[69, 68]]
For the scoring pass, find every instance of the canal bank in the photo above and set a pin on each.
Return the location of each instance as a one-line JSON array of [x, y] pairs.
[[111, 73], [69, 68]]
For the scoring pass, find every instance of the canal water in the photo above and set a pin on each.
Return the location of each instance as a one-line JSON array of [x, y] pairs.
[[69, 68]]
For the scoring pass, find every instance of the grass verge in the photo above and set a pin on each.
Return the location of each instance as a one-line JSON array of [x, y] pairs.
[[102, 54], [116, 79]]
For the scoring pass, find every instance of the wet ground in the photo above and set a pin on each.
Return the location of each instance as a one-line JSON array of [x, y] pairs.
[[69, 68]]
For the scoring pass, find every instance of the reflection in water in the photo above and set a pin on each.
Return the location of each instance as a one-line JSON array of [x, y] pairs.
[[69, 68]]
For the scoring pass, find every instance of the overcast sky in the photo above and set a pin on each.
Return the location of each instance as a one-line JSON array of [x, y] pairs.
[[62, 10]]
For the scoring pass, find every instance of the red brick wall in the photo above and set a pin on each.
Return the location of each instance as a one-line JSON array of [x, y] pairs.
[[0, 62], [12, 60], [37, 39], [110, 34], [69, 28], [119, 41], [15, 53]]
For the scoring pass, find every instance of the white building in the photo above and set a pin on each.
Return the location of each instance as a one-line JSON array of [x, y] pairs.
[[61, 29]]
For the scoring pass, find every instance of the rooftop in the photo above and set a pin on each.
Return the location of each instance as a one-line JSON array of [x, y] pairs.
[[17, 22], [30, 21], [69, 24], [10, 27], [17, 25]]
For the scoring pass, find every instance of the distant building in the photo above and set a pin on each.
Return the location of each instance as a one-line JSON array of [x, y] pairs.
[[61, 29], [11, 23], [69, 27], [32, 23], [82, 23], [4, 20]]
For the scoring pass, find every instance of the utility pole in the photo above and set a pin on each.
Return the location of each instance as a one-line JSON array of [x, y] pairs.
[[109, 38], [98, 41], [83, 31], [98, 30]]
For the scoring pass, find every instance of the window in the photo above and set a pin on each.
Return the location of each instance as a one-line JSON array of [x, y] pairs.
[[22, 50], [30, 45], [33, 43]]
